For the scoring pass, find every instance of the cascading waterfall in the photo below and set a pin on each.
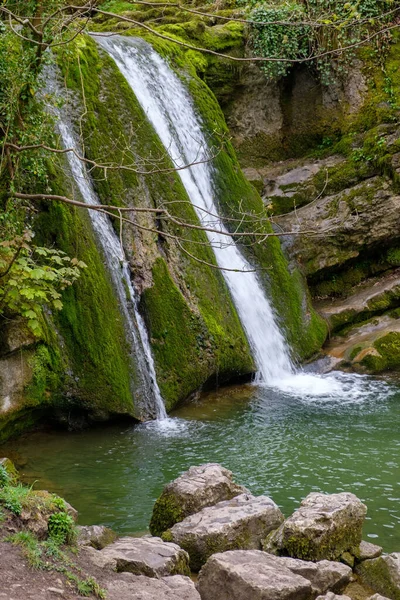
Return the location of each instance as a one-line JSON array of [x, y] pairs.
[[169, 108], [146, 388]]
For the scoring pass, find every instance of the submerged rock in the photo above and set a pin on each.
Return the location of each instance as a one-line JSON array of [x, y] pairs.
[[195, 489], [323, 527], [97, 536], [148, 556], [133, 587], [242, 522], [248, 574], [382, 574]]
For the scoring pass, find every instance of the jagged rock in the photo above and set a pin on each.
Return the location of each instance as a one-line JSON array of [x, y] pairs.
[[148, 556], [242, 522], [324, 575], [355, 219], [97, 536], [325, 526], [332, 596], [133, 587], [382, 574], [10, 468], [348, 559], [195, 489], [250, 574], [378, 597], [366, 551]]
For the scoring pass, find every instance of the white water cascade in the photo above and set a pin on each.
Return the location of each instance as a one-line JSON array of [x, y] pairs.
[[152, 405], [170, 110]]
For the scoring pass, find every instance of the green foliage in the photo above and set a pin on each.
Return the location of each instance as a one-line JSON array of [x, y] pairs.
[[30, 546], [32, 276], [279, 41], [316, 29], [4, 476], [14, 497], [61, 527]]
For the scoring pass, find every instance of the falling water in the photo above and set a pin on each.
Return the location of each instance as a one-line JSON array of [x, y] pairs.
[[146, 388], [170, 110]]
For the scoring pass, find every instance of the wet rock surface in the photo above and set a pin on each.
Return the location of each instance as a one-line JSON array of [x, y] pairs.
[[195, 489], [242, 522], [323, 527]]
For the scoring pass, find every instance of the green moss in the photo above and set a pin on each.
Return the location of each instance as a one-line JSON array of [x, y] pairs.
[[329, 546], [376, 574], [388, 347]]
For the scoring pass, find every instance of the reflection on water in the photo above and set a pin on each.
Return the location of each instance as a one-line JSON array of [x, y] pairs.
[[276, 443]]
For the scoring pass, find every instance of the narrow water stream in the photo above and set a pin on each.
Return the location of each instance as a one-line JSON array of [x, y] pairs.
[[275, 443]]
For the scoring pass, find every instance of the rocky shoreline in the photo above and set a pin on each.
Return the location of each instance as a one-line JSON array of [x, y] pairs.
[[211, 539]]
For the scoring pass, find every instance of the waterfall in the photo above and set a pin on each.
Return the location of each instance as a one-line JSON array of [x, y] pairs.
[[146, 388], [170, 109]]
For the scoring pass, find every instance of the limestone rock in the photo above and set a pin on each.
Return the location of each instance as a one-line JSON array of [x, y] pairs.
[[332, 596], [195, 489], [382, 574], [242, 522], [378, 597], [324, 575], [133, 587], [366, 550], [357, 219], [323, 527], [97, 536], [148, 556], [250, 574]]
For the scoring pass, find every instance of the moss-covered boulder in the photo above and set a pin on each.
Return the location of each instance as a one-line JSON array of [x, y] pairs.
[[240, 523], [10, 470], [382, 575], [325, 526], [192, 491]]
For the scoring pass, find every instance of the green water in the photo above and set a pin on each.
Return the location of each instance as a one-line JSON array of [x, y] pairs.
[[276, 444]]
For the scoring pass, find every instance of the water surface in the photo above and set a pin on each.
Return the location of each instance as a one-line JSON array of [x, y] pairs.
[[277, 444]]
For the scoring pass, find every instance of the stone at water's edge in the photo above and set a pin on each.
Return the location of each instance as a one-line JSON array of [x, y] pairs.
[[97, 536], [382, 574], [148, 556], [248, 574], [324, 527], [133, 587], [378, 597], [195, 489], [367, 550], [242, 522]]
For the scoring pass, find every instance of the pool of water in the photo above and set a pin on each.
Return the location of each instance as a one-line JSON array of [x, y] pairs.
[[275, 443]]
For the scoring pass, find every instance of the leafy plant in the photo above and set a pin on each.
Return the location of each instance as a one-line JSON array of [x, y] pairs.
[[14, 497], [61, 527], [4, 476], [31, 276]]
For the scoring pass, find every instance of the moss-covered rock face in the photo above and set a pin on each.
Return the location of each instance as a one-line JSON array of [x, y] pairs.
[[382, 575]]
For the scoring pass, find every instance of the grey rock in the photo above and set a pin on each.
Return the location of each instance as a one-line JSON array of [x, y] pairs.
[[378, 597], [325, 526], [382, 574], [133, 587], [97, 536], [332, 596], [250, 574], [324, 575], [148, 556], [195, 489], [242, 522], [366, 551]]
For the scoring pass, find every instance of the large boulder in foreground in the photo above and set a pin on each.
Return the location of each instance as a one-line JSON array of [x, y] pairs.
[[132, 587], [382, 574], [242, 522], [324, 527], [245, 574], [148, 556], [195, 489]]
